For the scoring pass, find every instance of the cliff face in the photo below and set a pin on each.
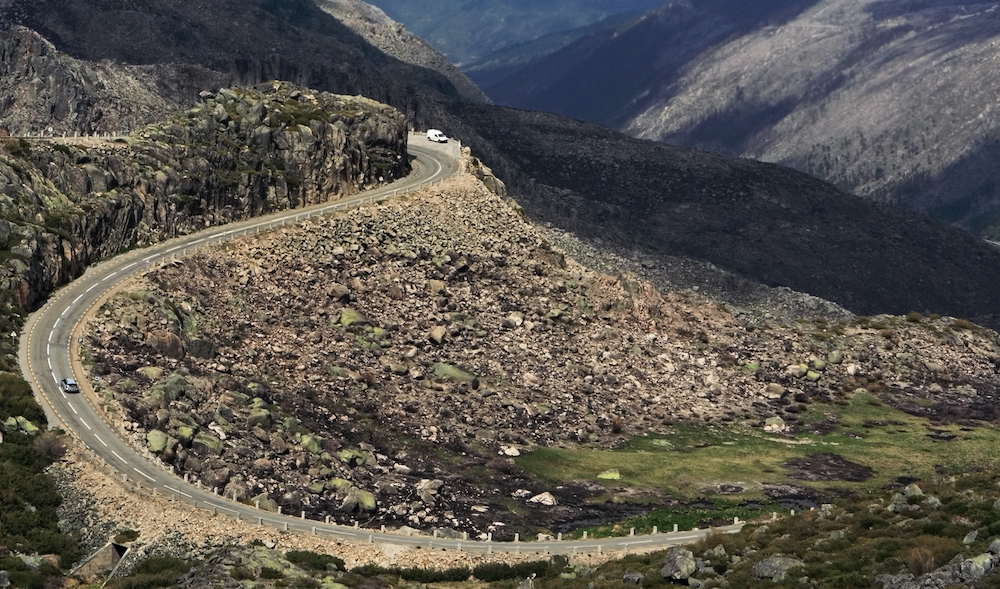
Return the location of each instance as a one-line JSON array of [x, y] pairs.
[[45, 91], [239, 153]]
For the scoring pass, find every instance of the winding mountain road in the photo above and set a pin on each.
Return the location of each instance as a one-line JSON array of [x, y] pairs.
[[49, 345]]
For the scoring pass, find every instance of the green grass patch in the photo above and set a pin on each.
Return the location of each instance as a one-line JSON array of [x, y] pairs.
[[691, 461]]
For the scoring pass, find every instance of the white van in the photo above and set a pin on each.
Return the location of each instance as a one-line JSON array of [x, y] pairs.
[[436, 136]]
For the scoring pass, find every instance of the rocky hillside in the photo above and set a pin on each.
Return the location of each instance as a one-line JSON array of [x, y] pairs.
[[392, 38], [188, 47], [271, 368], [894, 103], [759, 221], [67, 203]]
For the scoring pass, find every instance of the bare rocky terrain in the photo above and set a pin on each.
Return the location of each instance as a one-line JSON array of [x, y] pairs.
[[384, 364]]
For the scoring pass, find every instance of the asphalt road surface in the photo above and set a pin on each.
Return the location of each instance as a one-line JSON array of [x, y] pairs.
[[49, 343]]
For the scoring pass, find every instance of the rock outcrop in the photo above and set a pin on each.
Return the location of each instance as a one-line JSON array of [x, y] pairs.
[[239, 153]]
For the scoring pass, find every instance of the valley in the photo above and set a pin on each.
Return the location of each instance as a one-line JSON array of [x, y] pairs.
[[890, 103]]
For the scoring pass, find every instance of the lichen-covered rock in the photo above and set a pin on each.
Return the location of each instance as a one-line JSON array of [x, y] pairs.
[[159, 441], [205, 443], [678, 564], [775, 567]]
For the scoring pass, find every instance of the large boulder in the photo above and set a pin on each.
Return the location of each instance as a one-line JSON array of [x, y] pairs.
[[349, 318], [205, 443], [159, 441], [167, 343], [679, 564], [775, 567]]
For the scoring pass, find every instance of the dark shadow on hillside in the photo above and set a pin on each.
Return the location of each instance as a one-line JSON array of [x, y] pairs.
[[760, 221], [966, 193]]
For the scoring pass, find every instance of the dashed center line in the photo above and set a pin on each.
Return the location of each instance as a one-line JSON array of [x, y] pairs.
[[177, 491], [84, 422], [119, 457], [143, 474], [101, 440]]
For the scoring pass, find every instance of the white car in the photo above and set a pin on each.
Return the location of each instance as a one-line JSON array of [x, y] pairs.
[[69, 385], [436, 136]]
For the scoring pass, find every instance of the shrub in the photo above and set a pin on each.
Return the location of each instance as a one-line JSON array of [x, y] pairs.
[[914, 317], [153, 572], [50, 446], [271, 573], [314, 561]]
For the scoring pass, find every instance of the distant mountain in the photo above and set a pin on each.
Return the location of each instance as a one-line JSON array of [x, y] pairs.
[[467, 32], [894, 101], [494, 69]]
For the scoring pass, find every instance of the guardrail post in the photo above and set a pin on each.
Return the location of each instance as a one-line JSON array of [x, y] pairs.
[[260, 521], [675, 528], [435, 534], [383, 528], [356, 526], [314, 530], [279, 510], [303, 514], [489, 537], [654, 530], [328, 519], [631, 532], [585, 534], [559, 538], [517, 537], [736, 521], [256, 504]]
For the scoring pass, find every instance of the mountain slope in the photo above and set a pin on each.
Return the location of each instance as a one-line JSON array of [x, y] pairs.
[[466, 31], [389, 36], [776, 225], [761, 222], [892, 101]]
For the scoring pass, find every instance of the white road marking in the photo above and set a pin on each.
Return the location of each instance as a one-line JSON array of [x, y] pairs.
[[177, 491], [73, 407], [101, 440], [92, 287], [56, 324], [143, 474], [84, 422], [76, 300], [109, 277], [130, 265], [119, 457]]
